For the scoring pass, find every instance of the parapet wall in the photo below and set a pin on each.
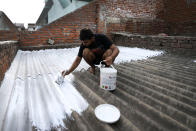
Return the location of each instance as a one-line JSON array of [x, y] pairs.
[[102, 16], [9, 35], [153, 41], [8, 50]]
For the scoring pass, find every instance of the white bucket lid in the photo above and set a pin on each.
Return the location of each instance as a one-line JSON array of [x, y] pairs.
[[107, 113]]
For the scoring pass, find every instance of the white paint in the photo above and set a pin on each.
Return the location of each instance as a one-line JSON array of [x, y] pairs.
[[29, 95], [186, 67], [7, 42], [41, 103], [194, 61], [128, 13], [107, 113], [131, 54], [125, 13], [33, 96]]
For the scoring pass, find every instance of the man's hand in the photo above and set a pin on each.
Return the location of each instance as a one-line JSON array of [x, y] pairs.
[[108, 60], [65, 72], [73, 66]]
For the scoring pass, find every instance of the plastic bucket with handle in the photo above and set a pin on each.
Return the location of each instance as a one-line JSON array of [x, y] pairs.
[[108, 78]]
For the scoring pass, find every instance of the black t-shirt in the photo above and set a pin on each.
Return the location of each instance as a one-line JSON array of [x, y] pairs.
[[98, 47]]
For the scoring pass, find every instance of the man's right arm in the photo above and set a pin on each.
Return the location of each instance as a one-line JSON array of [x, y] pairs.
[[73, 66]]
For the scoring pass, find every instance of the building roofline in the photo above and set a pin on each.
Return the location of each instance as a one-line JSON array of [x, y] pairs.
[[45, 10], [8, 21]]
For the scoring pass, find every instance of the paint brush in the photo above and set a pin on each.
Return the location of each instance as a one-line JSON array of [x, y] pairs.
[[60, 79]]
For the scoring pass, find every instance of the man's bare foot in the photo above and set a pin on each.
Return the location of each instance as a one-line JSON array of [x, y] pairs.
[[91, 70]]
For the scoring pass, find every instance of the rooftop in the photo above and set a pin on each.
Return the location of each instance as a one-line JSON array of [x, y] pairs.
[[155, 91]]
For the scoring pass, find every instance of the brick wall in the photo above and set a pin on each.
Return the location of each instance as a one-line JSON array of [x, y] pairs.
[[8, 35], [64, 30], [103, 16], [146, 26], [7, 53], [174, 17], [154, 41], [180, 16], [129, 8], [131, 15], [182, 28]]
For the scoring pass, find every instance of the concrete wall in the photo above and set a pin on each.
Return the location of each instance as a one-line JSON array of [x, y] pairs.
[[58, 11], [55, 12], [7, 53]]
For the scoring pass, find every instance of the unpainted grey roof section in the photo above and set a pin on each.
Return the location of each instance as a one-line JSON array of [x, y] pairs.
[[156, 94]]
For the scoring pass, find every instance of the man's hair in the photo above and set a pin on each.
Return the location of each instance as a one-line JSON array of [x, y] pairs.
[[86, 34]]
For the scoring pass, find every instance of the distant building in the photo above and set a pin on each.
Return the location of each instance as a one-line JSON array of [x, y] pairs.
[[20, 26], [31, 27], [5, 23], [55, 9]]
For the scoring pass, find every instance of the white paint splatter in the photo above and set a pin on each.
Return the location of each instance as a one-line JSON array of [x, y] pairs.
[[129, 54], [30, 97], [7, 42]]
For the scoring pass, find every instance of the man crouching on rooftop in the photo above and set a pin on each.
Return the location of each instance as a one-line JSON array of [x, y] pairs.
[[94, 49]]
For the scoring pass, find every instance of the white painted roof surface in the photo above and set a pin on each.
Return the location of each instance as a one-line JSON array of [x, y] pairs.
[[30, 97]]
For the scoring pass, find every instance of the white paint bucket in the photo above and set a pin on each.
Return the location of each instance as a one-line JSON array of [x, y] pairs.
[[108, 78]]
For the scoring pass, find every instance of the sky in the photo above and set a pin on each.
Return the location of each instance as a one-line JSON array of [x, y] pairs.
[[22, 11]]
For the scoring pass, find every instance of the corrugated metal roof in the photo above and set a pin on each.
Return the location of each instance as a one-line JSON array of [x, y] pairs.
[[31, 98], [153, 94], [157, 93]]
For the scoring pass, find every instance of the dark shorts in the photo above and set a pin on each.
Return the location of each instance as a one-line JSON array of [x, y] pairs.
[[98, 55]]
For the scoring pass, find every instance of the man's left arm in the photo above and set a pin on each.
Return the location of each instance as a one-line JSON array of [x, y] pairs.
[[110, 59]]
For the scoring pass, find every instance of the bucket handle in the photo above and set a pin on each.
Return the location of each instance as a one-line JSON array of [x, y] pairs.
[[103, 63], [112, 66]]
